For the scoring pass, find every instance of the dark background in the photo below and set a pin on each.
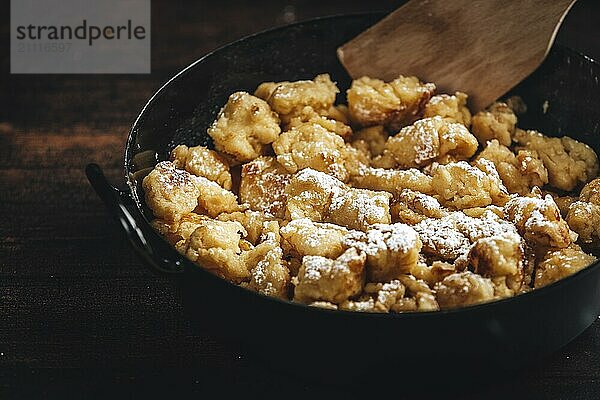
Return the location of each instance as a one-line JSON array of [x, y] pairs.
[[80, 315]]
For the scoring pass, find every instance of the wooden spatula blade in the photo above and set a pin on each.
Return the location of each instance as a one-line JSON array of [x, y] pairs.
[[483, 48]]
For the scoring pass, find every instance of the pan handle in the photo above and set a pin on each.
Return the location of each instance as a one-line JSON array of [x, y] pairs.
[[144, 240]]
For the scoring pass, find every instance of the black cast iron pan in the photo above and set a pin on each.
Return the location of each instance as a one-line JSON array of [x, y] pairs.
[[506, 333]]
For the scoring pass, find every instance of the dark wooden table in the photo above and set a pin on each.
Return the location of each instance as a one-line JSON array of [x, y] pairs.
[[81, 316]]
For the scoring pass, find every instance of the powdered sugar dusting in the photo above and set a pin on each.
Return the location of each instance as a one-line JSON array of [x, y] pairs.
[[423, 135], [475, 228], [320, 179], [170, 177], [451, 236], [313, 233], [368, 205], [441, 238], [383, 237]]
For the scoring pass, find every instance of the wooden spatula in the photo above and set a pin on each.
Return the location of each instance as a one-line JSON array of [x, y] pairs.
[[481, 47]]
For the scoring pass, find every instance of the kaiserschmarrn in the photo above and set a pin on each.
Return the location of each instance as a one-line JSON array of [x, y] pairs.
[[401, 200]]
